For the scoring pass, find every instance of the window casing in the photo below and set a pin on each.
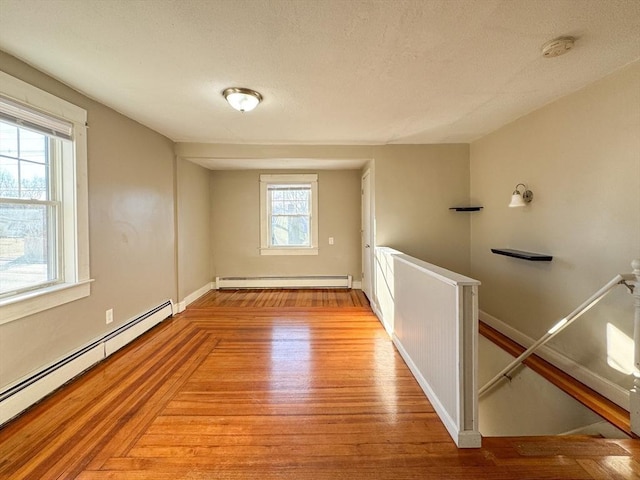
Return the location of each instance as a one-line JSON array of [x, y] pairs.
[[44, 246], [289, 214]]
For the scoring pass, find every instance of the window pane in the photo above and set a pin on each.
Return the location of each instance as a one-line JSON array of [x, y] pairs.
[[27, 257], [27, 175], [33, 180], [9, 178], [8, 140], [291, 202], [278, 207], [290, 231], [33, 146]]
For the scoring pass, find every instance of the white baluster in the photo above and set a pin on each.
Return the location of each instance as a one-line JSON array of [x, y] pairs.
[[635, 391]]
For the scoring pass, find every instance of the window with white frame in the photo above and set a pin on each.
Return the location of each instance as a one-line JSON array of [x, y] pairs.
[[43, 201], [289, 214]]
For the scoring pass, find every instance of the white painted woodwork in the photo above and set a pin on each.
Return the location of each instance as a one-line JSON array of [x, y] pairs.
[[527, 405], [41, 383], [556, 329], [265, 214], [74, 252], [634, 396], [192, 297], [320, 281], [367, 237], [384, 286], [118, 341], [435, 328], [605, 387], [626, 399]]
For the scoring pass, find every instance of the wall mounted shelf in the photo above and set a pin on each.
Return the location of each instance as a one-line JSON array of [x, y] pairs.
[[466, 209], [532, 257]]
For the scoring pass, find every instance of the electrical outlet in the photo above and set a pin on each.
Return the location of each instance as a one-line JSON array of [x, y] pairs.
[[109, 316], [330, 240]]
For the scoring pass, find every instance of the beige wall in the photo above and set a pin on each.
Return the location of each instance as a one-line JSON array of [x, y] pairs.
[[414, 187], [581, 157], [131, 222], [235, 217], [194, 229]]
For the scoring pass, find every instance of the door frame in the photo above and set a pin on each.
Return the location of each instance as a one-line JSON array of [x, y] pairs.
[[368, 284]]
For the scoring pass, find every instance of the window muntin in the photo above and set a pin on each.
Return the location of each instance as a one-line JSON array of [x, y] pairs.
[[29, 211], [289, 214]]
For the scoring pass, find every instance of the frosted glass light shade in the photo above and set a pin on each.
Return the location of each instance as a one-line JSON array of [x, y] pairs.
[[517, 200], [242, 99], [520, 199]]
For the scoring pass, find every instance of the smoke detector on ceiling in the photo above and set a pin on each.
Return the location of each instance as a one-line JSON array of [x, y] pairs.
[[558, 46]]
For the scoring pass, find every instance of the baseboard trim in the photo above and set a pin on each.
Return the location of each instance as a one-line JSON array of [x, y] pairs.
[[311, 281], [462, 438], [19, 396], [192, 297], [376, 310], [604, 387]]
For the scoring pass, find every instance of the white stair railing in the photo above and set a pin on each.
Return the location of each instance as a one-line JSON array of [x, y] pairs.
[[632, 282], [634, 397]]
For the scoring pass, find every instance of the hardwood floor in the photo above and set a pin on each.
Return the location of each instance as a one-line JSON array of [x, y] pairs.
[[272, 385], [282, 298]]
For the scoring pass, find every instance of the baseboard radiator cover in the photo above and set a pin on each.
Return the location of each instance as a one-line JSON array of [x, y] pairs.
[[26, 392], [305, 281]]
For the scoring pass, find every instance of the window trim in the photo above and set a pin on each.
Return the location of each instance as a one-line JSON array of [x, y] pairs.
[[288, 178], [76, 283]]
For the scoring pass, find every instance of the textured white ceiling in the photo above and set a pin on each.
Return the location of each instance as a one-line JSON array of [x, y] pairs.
[[330, 71]]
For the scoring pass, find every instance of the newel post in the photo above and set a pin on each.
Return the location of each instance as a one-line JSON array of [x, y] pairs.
[[634, 397]]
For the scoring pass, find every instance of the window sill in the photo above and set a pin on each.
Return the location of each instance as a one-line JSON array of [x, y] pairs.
[[289, 251], [26, 304]]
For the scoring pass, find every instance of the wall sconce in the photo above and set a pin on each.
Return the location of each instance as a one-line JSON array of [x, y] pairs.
[[521, 199]]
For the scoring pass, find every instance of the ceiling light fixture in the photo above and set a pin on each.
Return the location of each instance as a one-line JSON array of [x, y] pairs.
[[242, 99], [521, 199], [558, 46]]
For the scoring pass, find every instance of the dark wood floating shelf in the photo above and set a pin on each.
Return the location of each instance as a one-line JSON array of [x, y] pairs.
[[532, 257], [465, 209]]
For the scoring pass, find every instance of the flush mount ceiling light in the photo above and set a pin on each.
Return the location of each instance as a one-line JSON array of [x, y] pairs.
[[242, 99], [558, 46], [521, 199]]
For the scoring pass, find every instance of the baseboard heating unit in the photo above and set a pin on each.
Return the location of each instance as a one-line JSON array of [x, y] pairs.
[[319, 281], [18, 397]]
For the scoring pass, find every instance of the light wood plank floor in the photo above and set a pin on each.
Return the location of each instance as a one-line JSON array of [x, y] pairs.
[[272, 385]]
